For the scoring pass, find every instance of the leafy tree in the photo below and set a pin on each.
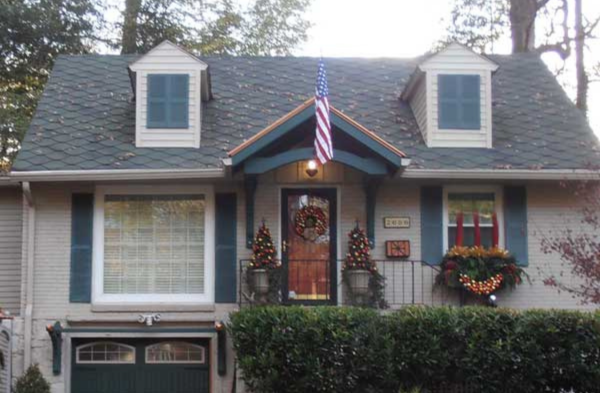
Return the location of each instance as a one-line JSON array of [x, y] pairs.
[[32, 382], [262, 27], [542, 26], [32, 34]]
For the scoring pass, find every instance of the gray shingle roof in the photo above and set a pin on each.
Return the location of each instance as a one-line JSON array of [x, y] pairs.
[[85, 119]]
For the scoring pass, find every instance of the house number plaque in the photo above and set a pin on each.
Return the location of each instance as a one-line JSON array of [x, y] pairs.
[[396, 222]]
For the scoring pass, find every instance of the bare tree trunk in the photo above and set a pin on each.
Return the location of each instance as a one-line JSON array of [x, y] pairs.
[[129, 37], [522, 24], [582, 77]]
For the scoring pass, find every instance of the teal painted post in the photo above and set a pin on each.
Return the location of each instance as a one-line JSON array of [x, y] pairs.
[[250, 189], [225, 248], [221, 352], [515, 218], [55, 332], [432, 226], [82, 223], [371, 187]]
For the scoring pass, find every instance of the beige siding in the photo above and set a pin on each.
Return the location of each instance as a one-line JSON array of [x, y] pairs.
[[418, 105], [547, 208], [551, 210], [11, 218], [5, 356]]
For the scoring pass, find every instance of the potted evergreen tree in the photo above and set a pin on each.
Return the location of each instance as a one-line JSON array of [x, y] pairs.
[[358, 266], [264, 259]]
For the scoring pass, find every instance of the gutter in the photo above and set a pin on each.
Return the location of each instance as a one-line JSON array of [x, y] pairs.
[[501, 174], [30, 266], [118, 174]]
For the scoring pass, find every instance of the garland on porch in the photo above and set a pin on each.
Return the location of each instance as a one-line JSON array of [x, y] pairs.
[[308, 217], [359, 258], [479, 270]]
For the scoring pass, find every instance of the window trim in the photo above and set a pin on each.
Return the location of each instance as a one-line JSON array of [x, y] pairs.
[[498, 207], [147, 348], [98, 295], [83, 346]]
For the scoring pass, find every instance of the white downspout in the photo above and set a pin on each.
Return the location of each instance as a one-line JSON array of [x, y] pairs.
[[30, 266]]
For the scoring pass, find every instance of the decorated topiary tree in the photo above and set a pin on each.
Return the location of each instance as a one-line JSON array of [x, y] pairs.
[[263, 271], [363, 280], [32, 382], [359, 251], [264, 254]]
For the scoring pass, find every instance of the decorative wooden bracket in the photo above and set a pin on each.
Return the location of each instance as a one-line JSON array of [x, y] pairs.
[[55, 333], [250, 190], [371, 186]]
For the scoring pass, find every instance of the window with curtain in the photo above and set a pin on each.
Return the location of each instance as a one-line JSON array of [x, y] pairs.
[[474, 212], [154, 244]]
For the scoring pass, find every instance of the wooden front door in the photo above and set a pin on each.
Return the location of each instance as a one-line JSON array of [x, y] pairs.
[[309, 239]]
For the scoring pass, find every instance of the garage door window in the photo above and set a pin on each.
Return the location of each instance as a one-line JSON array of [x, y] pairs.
[[175, 352], [105, 353]]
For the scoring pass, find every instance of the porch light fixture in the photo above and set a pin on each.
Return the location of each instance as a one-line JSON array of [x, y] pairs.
[[311, 168]]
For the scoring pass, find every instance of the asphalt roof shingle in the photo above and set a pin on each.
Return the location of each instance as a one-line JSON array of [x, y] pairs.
[[86, 117]]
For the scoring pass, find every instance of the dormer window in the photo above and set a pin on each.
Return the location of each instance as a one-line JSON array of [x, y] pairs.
[[170, 85], [168, 100], [450, 94], [459, 103]]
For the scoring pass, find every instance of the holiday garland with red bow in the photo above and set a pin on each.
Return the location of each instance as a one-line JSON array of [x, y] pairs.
[[264, 254]]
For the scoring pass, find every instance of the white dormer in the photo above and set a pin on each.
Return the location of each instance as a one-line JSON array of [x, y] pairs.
[[170, 85], [451, 97]]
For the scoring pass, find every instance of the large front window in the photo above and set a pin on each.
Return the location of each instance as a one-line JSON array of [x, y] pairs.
[[153, 247]]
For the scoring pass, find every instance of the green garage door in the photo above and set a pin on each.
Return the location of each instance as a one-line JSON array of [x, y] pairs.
[[140, 366]]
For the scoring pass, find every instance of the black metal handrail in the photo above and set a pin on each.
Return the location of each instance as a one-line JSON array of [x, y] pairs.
[[313, 281]]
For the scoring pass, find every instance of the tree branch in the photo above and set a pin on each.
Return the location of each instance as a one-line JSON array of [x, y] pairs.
[[541, 4]]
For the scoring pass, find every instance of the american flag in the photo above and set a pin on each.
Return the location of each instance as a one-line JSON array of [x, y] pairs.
[[323, 143]]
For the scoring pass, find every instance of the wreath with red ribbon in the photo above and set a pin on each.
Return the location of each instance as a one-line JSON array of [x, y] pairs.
[[310, 217]]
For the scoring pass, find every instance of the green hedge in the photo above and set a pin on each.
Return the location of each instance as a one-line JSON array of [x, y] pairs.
[[330, 349]]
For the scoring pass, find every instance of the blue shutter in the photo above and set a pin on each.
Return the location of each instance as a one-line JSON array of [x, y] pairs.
[[178, 101], [459, 104], [82, 223], [157, 101], [168, 101], [515, 218], [432, 225], [225, 249]]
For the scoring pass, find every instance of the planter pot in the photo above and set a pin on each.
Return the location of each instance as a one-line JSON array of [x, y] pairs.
[[358, 280], [260, 281]]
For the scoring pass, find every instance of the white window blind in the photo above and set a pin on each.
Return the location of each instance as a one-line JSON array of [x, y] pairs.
[[154, 244]]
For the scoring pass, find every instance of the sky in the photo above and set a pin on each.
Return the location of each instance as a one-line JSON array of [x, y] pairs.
[[401, 28]]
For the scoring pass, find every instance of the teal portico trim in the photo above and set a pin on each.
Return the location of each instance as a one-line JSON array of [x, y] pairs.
[[362, 150]]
